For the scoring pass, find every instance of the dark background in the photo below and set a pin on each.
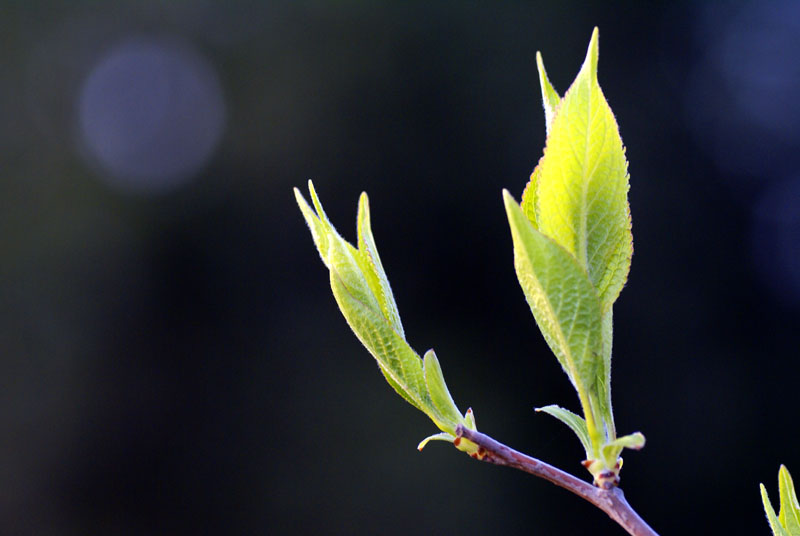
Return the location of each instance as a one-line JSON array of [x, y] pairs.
[[173, 361]]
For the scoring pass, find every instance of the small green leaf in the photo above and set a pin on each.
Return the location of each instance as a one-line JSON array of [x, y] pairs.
[[565, 306], [550, 98], [582, 184], [772, 519], [399, 363], [469, 419], [365, 298], [528, 202], [316, 224], [550, 102], [633, 441], [612, 450], [789, 515], [576, 423], [373, 269], [443, 436], [437, 389]]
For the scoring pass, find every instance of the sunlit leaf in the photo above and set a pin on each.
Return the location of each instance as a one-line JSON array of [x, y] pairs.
[[437, 389], [789, 515], [373, 269], [528, 203], [612, 450], [564, 304], [582, 184], [550, 102], [364, 296], [575, 422], [772, 519], [550, 97], [442, 436], [787, 522]]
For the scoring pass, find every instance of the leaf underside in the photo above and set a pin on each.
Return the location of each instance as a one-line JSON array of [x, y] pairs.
[[562, 299]]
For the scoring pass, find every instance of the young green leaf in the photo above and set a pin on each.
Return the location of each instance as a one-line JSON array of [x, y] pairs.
[[789, 515], [550, 98], [633, 441], [612, 449], [441, 436], [576, 423], [787, 522], [399, 363], [565, 306], [365, 298], [528, 202], [373, 269], [772, 519], [582, 184], [550, 102], [437, 389]]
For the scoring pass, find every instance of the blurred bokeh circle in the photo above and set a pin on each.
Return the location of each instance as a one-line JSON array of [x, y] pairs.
[[151, 113]]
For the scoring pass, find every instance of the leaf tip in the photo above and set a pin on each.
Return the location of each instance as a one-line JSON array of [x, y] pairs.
[[298, 195], [469, 419], [540, 67], [363, 199], [638, 441], [592, 53], [443, 436]]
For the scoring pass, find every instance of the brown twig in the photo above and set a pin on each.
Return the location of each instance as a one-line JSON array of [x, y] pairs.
[[612, 502]]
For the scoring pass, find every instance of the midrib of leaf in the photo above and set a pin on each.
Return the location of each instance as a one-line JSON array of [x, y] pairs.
[[583, 239]]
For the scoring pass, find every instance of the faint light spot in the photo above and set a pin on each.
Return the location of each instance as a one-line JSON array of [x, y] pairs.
[[776, 239], [151, 113], [741, 97]]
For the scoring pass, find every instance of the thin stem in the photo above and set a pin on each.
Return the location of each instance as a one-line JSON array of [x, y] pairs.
[[612, 502]]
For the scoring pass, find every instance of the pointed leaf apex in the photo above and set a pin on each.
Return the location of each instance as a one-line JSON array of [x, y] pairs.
[[590, 62], [363, 198], [439, 394], [317, 204], [550, 97], [469, 419], [435, 437], [363, 214]]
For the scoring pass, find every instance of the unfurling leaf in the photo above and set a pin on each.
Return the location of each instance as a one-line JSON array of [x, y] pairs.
[[787, 522], [577, 201], [550, 98], [790, 509], [582, 182], [441, 436], [565, 306], [365, 298], [437, 389], [576, 423], [613, 449]]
